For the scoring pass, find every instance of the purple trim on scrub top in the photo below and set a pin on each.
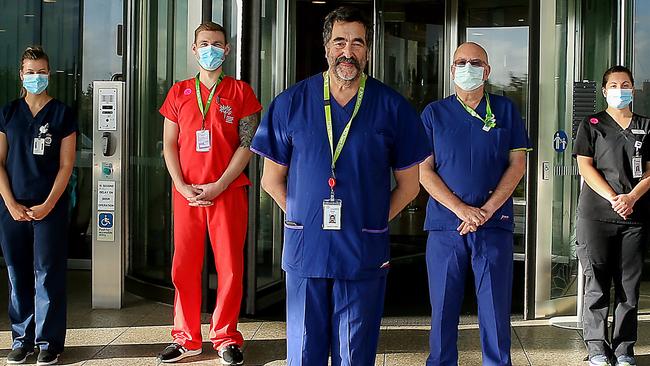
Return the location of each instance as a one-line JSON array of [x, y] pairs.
[[412, 165], [293, 227], [374, 231], [266, 156]]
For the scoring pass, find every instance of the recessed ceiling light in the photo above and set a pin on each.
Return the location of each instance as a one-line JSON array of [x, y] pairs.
[[521, 20], [49, 1], [318, 2]]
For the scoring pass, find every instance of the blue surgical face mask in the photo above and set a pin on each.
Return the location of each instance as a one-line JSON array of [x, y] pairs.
[[619, 98], [35, 83], [211, 57], [469, 77]]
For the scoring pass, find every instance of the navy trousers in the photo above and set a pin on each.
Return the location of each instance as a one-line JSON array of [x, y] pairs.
[[36, 254], [489, 254], [334, 316]]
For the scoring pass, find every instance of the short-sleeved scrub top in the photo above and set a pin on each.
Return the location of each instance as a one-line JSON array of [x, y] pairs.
[[386, 135], [32, 176], [612, 148], [470, 160], [233, 99]]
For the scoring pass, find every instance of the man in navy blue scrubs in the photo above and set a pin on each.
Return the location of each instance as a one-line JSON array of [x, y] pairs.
[[479, 156], [332, 143]]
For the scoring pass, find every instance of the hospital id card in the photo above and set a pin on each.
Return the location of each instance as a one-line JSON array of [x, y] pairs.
[[332, 214], [39, 146], [637, 167], [203, 141]]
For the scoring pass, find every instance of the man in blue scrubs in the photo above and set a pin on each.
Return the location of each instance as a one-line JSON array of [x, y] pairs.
[[332, 143], [479, 156]]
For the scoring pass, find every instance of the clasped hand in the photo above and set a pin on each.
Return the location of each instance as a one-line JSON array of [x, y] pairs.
[[472, 217], [623, 205], [201, 195]]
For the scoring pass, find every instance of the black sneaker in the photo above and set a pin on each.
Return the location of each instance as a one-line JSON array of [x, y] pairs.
[[175, 352], [19, 355], [231, 355], [47, 357]]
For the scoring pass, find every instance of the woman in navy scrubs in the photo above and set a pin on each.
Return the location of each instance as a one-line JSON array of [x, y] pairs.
[[613, 150], [37, 153]]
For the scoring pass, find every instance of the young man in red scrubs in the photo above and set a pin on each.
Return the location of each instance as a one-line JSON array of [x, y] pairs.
[[210, 120]]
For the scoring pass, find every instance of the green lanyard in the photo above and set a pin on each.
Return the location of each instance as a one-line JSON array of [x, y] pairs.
[[204, 110], [489, 121], [328, 117]]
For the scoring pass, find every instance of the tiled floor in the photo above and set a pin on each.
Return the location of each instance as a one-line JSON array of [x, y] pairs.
[[135, 334]]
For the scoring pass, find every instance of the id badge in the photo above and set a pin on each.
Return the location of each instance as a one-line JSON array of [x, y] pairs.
[[203, 141], [637, 167], [486, 128], [39, 146], [332, 214]]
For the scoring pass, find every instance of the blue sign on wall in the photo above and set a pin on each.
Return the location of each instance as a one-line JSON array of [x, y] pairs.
[[105, 220], [560, 141]]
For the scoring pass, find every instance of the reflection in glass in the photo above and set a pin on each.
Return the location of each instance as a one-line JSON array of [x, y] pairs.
[[412, 46], [641, 70], [57, 27], [564, 263], [268, 246], [150, 186]]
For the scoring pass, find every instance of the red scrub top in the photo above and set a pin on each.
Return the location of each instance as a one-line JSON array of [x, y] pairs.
[[233, 100]]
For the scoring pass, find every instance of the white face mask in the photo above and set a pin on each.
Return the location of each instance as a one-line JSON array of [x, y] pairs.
[[619, 98], [469, 77]]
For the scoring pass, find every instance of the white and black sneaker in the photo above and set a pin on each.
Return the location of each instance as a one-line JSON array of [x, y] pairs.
[[231, 355], [19, 355], [175, 352], [47, 357]]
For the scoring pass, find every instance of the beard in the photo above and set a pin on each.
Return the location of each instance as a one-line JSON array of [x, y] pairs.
[[345, 72]]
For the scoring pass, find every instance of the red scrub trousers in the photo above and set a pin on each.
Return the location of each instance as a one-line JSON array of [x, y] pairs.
[[226, 222]]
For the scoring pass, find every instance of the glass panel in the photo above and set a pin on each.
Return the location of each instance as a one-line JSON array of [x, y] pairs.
[[412, 47], [566, 182], [641, 69], [20, 26], [150, 188], [267, 248], [501, 27], [57, 26]]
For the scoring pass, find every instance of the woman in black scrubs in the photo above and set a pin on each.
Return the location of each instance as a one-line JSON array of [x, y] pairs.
[[613, 150], [37, 153]]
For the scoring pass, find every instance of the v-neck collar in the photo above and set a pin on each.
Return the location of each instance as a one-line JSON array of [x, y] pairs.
[[39, 115], [620, 128]]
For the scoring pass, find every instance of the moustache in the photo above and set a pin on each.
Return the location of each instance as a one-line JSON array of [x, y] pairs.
[[350, 60]]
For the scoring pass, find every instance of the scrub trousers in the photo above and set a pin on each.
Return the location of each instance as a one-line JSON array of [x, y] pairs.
[[489, 254], [36, 253], [225, 222], [341, 317], [609, 253]]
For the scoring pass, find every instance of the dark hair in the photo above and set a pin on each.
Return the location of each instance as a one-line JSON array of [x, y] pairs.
[[32, 53], [346, 14], [210, 27], [617, 68]]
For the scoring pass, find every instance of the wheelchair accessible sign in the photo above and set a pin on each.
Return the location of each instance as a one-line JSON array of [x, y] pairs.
[[105, 226]]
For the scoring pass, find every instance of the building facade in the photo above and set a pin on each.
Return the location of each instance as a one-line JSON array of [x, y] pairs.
[[538, 50]]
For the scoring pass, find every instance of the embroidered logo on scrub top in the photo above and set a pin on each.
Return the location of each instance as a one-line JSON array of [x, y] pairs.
[[45, 135], [227, 113], [593, 121], [187, 91]]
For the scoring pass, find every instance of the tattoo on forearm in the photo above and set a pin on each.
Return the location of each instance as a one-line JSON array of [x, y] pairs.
[[247, 128]]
